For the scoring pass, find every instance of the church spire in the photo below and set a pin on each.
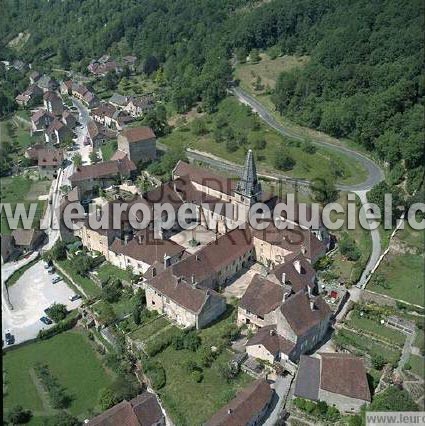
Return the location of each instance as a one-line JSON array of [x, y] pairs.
[[249, 186]]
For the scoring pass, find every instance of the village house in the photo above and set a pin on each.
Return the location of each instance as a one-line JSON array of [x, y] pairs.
[[49, 161], [139, 143], [41, 120], [32, 96], [9, 251], [66, 87], [103, 65], [339, 379], [140, 105], [183, 301], [142, 250], [118, 101], [47, 83], [57, 132], [248, 407], [84, 94], [98, 134], [69, 119], [143, 410], [130, 62], [52, 103], [108, 115], [101, 175]]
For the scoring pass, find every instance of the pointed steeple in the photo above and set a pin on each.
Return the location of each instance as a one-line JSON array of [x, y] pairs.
[[249, 186]]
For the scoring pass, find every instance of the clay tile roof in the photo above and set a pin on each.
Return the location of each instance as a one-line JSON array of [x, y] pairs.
[[137, 134], [181, 291], [268, 337], [144, 247], [301, 318], [39, 114], [344, 374], [121, 414], [215, 256], [104, 110], [49, 157], [205, 177], [245, 406], [103, 169], [49, 96], [298, 280], [262, 296]]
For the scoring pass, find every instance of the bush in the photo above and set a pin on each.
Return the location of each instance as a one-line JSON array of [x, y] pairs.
[[156, 374], [348, 247], [199, 127], [378, 362], [60, 327], [64, 419], [282, 160], [309, 148], [197, 376], [259, 143], [112, 292], [191, 341], [18, 415], [56, 392], [57, 312]]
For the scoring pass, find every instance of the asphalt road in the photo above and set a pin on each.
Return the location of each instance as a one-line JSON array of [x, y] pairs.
[[375, 173]]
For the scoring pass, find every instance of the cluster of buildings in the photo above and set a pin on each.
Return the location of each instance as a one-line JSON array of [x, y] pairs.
[[101, 66]]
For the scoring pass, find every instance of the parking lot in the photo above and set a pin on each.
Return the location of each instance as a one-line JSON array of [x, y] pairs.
[[29, 296]]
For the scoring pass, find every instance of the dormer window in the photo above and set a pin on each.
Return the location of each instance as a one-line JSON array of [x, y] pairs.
[[153, 272]]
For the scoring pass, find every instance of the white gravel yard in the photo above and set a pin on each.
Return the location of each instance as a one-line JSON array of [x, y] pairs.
[[29, 296]]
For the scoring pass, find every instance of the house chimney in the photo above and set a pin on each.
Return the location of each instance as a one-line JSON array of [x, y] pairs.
[[286, 295], [229, 411], [126, 237], [303, 250], [312, 305], [272, 332], [297, 266], [140, 238], [283, 278], [309, 291], [193, 280], [167, 260]]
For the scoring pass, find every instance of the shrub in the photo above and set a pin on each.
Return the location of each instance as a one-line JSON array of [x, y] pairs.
[[309, 148], [156, 374], [56, 392], [112, 292], [348, 247], [18, 415], [191, 341], [378, 362], [57, 312], [282, 160], [197, 376], [60, 327]]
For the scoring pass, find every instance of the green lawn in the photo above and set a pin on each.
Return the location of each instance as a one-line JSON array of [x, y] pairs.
[[377, 329], [404, 274], [149, 329], [418, 365], [19, 189], [108, 149], [240, 119], [191, 403], [121, 308], [70, 359], [89, 286], [368, 345], [107, 270]]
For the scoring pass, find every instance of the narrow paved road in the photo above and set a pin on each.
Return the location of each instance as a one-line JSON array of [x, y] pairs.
[[375, 173]]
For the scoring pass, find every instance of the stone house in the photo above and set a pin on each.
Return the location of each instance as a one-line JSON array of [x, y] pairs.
[[66, 87], [138, 106], [69, 119], [27, 239], [102, 174], [34, 77], [57, 132], [9, 251], [269, 346], [47, 83], [142, 250], [339, 379], [247, 408], [143, 410], [49, 161], [30, 96], [53, 103], [41, 120], [139, 143], [183, 301], [118, 101]]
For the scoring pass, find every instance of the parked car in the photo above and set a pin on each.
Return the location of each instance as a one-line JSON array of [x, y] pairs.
[[10, 338], [47, 265], [74, 297], [86, 141], [56, 279], [46, 320], [51, 269]]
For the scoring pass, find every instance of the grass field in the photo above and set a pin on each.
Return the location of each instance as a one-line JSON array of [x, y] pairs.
[[87, 284], [268, 70], [70, 359], [377, 329], [149, 329], [241, 119], [107, 270], [418, 365], [19, 189], [368, 345], [108, 149], [403, 268]]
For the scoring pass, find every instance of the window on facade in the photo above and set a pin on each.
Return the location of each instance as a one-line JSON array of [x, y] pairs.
[[153, 272]]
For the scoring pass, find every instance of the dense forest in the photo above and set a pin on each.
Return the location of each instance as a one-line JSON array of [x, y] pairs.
[[363, 80]]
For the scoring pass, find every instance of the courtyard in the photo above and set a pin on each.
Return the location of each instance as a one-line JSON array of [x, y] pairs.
[[30, 295]]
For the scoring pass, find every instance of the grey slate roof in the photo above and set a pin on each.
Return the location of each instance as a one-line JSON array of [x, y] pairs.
[[308, 378], [249, 185]]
